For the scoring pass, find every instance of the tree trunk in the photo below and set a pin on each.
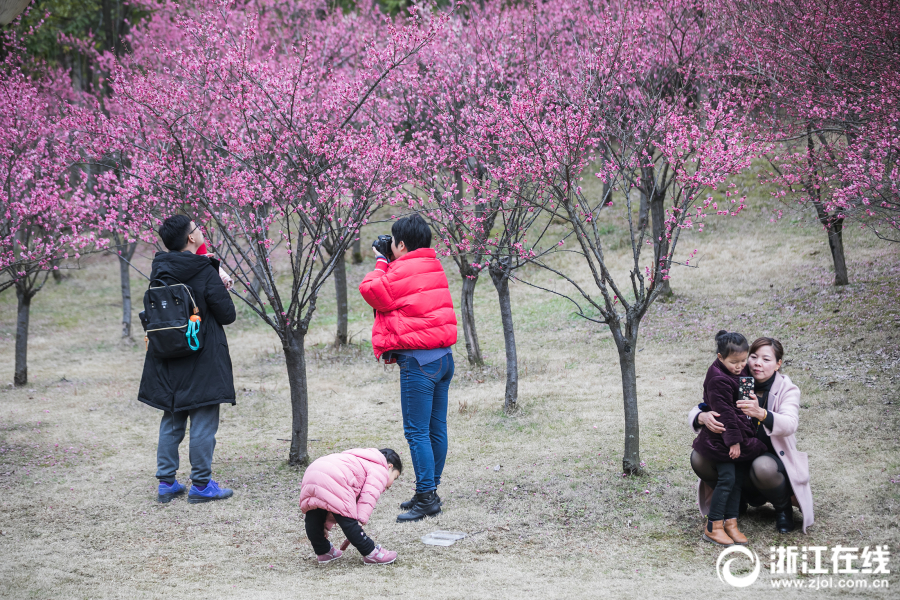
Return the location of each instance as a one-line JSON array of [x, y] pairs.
[[836, 243], [631, 461], [340, 287], [467, 309], [22, 316], [511, 398], [644, 211], [57, 274], [357, 252], [126, 253], [110, 27], [660, 241], [834, 229], [295, 360], [834, 226]]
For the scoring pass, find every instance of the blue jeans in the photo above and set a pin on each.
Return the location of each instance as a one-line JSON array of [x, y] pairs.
[[204, 425], [423, 400]]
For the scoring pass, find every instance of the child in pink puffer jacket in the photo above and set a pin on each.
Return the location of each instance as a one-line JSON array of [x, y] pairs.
[[343, 488]]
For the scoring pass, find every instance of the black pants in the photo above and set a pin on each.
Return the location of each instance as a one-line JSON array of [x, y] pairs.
[[767, 481], [726, 498], [315, 531]]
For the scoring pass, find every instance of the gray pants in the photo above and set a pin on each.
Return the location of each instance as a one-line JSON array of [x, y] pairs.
[[204, 424]]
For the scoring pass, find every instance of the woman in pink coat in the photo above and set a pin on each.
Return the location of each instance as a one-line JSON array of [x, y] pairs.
[[344, 488], [781, 475]]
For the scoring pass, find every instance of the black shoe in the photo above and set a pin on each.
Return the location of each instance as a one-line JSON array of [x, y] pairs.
[[412, 502], [784, 519], [427, 505]]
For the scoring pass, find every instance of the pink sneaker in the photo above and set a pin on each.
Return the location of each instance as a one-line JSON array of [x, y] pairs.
[[380, 556], [329, 556]]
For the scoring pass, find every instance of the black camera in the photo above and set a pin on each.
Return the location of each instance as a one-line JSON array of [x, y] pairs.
[[383, 244]]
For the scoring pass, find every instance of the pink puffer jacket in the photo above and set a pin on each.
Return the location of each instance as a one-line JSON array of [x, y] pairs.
[[348, 483]]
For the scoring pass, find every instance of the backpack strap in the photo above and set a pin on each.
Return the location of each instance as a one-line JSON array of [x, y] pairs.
[[162, 282], [196, 309]]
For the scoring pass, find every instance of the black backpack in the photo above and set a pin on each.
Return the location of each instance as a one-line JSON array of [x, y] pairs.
[[171, 319]]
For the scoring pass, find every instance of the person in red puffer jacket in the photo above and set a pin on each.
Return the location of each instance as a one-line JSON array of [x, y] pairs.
[[415, 325], [226, 279]]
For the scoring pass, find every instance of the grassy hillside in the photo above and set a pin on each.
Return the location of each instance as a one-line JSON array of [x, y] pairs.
[[557, 519]]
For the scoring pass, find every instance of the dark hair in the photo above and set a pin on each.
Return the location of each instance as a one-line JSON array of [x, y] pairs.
[[728, 342], [393, 459], [174, 232], [767, 341], [412, 231]]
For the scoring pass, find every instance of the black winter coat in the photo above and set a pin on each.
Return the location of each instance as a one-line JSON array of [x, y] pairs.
[[205, 377], [720, 392]]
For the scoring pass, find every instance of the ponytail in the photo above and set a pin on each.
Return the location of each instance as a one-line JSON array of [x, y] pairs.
[[729, 342]]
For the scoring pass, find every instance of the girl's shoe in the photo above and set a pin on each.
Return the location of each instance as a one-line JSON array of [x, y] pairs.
[[731, 528], [167, 492], [715, 533], [332, 554], [380, 556]]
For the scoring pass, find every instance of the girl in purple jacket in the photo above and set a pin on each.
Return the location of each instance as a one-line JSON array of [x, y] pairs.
[[733, 449]]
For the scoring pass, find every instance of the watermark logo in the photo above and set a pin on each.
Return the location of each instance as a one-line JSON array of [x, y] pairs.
[[723, 567], [841, 560], [815, 566]]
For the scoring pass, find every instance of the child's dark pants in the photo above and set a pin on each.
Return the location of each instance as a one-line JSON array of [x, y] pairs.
[[726, 498], [315, 531]]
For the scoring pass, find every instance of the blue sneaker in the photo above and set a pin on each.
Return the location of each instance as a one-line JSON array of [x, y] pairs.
[[168, 491], [211, 492]]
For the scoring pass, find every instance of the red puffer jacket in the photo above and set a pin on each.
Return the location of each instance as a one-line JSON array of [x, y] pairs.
[[414, 310]]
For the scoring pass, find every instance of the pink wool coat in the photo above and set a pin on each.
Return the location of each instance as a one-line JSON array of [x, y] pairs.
[[784, 404], [348, 483]]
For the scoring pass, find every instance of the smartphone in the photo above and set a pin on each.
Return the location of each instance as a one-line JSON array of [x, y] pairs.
[[745, 387]]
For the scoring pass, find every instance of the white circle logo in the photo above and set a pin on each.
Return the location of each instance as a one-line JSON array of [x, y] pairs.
[[724, 570]]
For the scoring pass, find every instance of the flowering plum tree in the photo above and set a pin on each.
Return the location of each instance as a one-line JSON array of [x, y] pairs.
[[278, 148], [45, 217], [458, 73], [514, 227], [481, 208], [597, 95], [830, 73]]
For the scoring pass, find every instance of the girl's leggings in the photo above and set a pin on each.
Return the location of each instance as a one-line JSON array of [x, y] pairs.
[[726, 498], [315, 531]]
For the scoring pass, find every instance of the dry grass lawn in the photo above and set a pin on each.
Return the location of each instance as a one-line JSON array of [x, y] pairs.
[[557, 520]]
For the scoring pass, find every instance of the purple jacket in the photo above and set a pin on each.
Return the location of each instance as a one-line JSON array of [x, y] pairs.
[[720, 391]]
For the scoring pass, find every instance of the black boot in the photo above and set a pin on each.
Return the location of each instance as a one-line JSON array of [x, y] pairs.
[[412, 501], [784, 519], [426, 505]]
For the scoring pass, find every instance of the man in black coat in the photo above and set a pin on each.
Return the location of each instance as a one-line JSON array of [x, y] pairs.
[[193, 386]]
